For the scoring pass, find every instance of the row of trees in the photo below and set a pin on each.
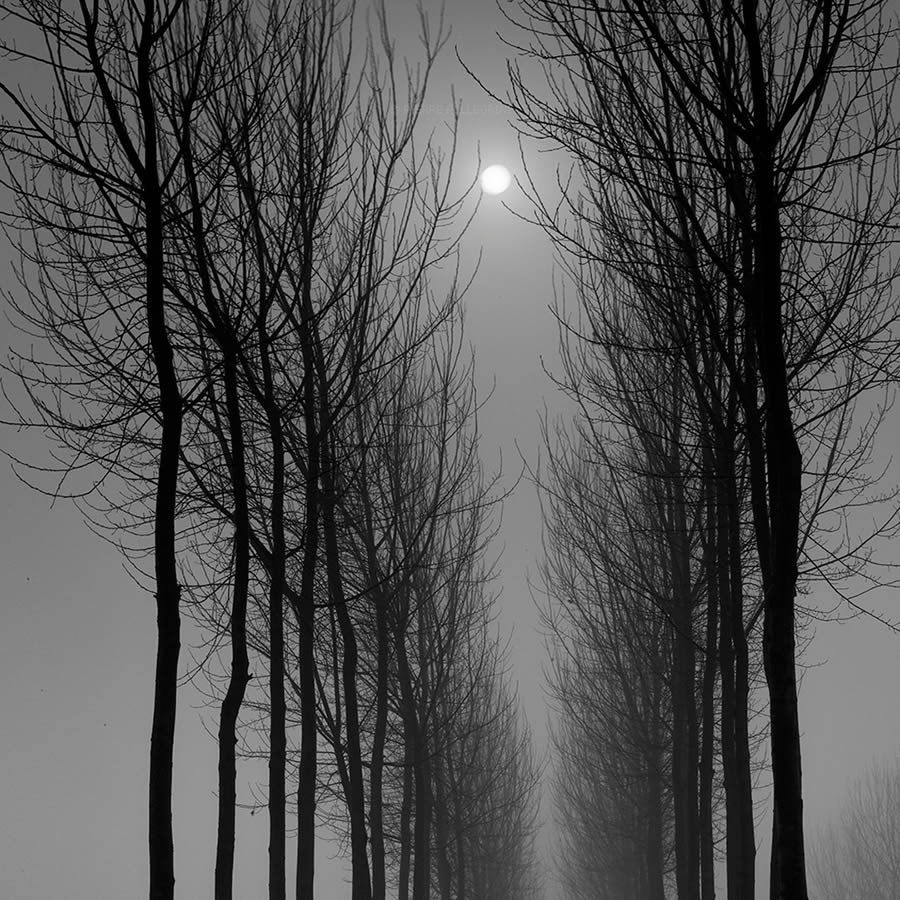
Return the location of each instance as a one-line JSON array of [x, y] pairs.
[[232, 227], [726, 230]]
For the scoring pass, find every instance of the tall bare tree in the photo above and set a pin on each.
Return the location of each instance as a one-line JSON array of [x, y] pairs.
[[91, 170]]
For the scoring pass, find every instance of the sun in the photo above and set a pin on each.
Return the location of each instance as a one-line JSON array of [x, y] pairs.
[[495, 179]]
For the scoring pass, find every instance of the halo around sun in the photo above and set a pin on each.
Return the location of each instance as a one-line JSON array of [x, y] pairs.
[[495, 179]]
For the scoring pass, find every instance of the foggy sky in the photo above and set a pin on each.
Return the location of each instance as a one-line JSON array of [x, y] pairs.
[[77, 636]]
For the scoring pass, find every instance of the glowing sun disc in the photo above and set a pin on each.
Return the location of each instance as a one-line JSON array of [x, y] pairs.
[[495, 179]]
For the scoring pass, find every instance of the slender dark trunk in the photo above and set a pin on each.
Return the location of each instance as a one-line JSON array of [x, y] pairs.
[[414, 801], [231, 437], [276, 564], [685, 768], [406, 810], [362, 884], [733, 817], [708, 700], [376, 778], [240, 665], [422, 822], [277, 703], [685, 744], [784, 472], [693, 761], [779, 650], [442, 829], [306, 787], [462, 881], [356, 800], [655, 851], [422, 835], [743, 780], [729, 415], [168, 616], [168, 590], [382, 676], [456, 792]]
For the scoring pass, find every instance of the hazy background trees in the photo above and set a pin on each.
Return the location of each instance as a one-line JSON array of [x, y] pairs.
[[859, 851]]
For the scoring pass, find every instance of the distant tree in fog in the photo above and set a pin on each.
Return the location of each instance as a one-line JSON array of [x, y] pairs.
[[858, 854]]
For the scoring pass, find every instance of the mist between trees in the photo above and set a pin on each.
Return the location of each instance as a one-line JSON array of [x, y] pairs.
[[231, 227], [858, 854]]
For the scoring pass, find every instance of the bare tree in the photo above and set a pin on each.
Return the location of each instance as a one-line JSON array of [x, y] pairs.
[[91, 171]]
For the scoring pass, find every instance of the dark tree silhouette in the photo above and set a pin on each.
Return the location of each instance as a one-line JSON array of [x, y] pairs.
[[91, 172]]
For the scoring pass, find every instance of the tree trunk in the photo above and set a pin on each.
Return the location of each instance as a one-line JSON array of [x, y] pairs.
[[655, 851], [406, 812], [306, 787], [356, 800], [168, 591], [783, 468], [277, 705], [733, 817], [685, 745], [455, 780], [382, 677], [376, 778], [422, 827], [422, 836], [708, 701], [240, 667], [414, 799], [743, 779], [442, 829]]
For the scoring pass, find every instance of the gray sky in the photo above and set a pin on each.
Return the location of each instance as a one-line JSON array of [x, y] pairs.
[[77, 636]]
